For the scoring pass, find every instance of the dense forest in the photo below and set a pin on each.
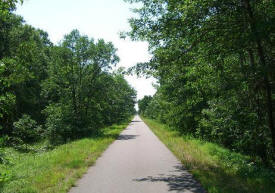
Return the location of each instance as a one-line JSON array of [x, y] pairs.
[[214, 61], [56, 92]]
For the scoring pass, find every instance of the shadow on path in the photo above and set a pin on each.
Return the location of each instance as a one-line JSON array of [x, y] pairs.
[[179, 180], [135, 121], [126, 137]]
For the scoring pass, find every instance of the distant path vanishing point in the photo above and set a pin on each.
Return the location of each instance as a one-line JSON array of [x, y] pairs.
[[137, 162]]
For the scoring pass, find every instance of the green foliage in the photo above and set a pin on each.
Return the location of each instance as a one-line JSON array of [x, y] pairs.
[[68, 88], [218, 169], [83, 94], [54, 170], [213, 60], [143, 104], [5, 175], [26, 129], [23, 67]]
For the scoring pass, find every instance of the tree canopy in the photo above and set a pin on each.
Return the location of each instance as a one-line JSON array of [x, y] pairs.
[[214, 61], [57, 92]]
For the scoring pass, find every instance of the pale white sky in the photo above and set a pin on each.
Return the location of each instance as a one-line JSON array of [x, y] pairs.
[[95, 18]]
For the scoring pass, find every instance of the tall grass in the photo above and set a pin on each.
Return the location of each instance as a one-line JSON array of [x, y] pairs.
[[57, 170], [218, 169]]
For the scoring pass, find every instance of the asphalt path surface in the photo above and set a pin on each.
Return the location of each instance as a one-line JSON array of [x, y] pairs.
[[137, 162]]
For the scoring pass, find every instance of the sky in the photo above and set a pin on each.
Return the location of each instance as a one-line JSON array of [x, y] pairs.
[[97, 19]]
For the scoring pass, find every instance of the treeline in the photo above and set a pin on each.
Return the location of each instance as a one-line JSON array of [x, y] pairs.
[[214, 61], [56, 92]]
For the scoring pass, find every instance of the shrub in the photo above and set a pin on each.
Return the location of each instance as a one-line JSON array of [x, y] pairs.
[[63, 125], [26, 130], [4, 175], [58, 130]]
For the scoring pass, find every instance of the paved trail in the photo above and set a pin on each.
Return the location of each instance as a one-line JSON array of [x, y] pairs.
[[137, 162]]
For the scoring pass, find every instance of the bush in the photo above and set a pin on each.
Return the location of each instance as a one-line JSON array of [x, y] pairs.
[[2, 157], [59, 129], [26, 130], [63, 125], [4, 140], [4, 175]]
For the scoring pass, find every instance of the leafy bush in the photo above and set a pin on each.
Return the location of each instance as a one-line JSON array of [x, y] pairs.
[[63, 126], [2, 157], [55, 127], [26, 130], [4, 175], [4, 140]]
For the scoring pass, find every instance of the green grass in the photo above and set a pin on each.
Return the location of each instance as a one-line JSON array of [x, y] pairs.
[[54, 171], [218, 169]]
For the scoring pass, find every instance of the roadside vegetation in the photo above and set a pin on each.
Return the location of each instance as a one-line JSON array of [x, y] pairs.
[[214, 62], [218, 169], [53, 170], [51, 97]]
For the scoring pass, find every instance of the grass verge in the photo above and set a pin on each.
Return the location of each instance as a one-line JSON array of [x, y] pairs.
[[218, 169], [57, 170]]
